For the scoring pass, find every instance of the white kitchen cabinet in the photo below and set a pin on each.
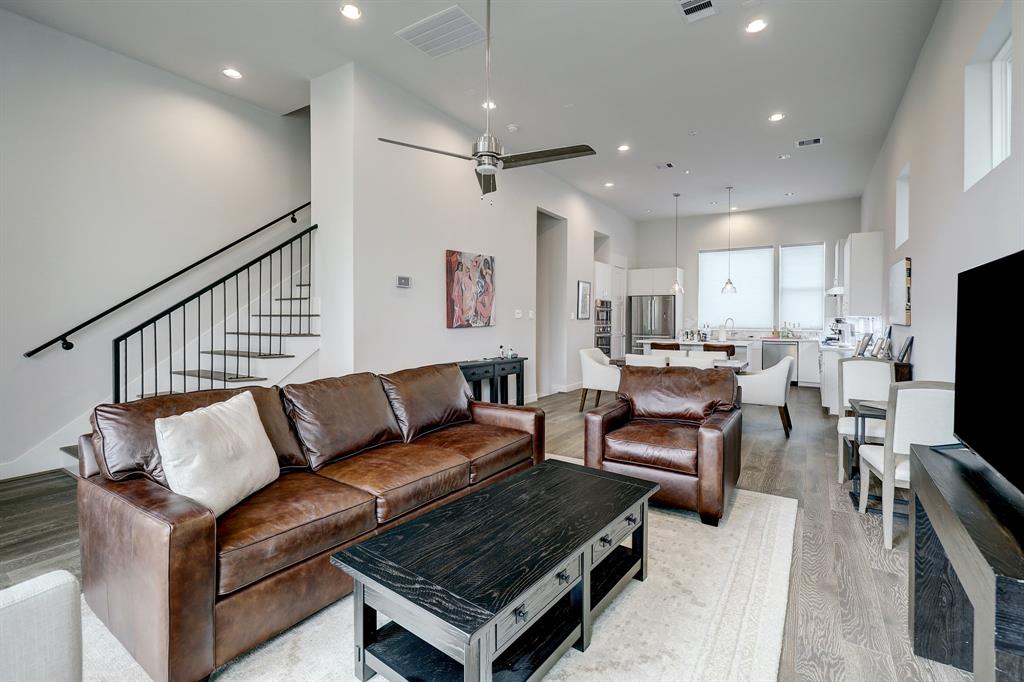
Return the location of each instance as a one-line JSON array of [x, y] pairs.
[[639, 282], [653, 281], [602, 281], [754, 356], [863, 274], [810, 374], [830, 357]]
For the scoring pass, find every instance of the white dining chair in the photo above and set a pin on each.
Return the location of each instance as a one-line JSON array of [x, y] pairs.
[[861, 379], [919, 412], [770, 387], [670, 353], [646, 360], [699, 363], [713, 354], [598, 374]]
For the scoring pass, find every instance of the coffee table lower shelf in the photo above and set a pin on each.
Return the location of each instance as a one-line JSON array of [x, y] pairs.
[[397, 653]]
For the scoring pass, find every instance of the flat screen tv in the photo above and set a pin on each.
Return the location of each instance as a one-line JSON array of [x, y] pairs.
[[985, 404]]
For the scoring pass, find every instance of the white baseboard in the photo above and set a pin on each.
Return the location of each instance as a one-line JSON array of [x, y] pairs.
[[530, 398], [568, 388]]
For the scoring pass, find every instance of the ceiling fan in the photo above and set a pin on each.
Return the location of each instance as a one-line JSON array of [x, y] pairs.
[[488, 153]]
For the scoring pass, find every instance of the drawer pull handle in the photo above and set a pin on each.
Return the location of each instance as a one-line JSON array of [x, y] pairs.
[[521, 614], [563, 577], [631, 520], [606, 541]]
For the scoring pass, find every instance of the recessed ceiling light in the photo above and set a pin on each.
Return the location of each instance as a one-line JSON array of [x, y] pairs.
[[648, 210], [713, 203], [686, 172], [489, 105], [734, 208], [692, 133], [351, 12], [757, 25], [623, 147], [783, 157], [776, 117], [789, 194], [609, 184], [233, 74], [568, 105], [512, 127]]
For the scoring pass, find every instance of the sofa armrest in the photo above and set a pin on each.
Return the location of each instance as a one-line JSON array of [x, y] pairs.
[[718, 460], [598, 422], [529, 419], [149, 571]]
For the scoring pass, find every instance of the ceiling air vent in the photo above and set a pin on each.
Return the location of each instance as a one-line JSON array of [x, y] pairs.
[[668, 165], [443, 33], [695, 10], [809, 142]]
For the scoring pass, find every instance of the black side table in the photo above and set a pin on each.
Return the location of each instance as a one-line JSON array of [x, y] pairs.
[[496, 372]]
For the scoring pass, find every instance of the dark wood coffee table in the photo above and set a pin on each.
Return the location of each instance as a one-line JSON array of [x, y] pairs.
[[500, 583]]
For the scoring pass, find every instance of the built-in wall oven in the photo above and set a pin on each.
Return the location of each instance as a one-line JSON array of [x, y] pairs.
[[603, 326]]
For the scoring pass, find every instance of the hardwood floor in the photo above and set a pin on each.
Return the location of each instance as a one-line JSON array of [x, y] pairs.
[[847, 615]]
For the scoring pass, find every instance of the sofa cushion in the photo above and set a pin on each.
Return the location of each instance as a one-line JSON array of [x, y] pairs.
[[489, 449], [682, 393], [125, 441], [340, 416], [661, 444], [217, 455], [427, 398], [297, 516], [402, 476]]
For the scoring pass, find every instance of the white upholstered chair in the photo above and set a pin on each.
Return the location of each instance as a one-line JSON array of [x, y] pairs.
[[770, 387], [699, 363], [598, 374], [919, 412], [670, 353], [861, 379], [646, 360], [713, 354], [41, 629]]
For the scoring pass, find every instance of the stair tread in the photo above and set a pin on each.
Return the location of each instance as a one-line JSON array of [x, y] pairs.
[[271, 334], [293, 298], [217, 375], [303, 284], [285, 315], [248, 354], [71, 450]]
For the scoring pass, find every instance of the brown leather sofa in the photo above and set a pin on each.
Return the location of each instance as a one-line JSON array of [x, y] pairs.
[[677, 426], [185, 591]]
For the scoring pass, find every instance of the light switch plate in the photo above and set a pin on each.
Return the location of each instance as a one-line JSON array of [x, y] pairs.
[[531, 315], [519, 314]]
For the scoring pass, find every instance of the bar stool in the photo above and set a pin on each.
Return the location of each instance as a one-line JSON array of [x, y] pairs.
[[655, 345], [729, 348]]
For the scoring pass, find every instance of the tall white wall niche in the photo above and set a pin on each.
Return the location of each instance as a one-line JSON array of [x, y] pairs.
[[988, 98]]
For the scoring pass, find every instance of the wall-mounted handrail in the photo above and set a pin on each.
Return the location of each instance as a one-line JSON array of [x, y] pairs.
[[68, 345]]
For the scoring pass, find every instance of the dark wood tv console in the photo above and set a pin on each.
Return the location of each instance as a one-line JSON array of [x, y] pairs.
[[967, 582]]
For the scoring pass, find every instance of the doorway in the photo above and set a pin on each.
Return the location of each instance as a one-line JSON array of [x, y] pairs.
[[552, 306]]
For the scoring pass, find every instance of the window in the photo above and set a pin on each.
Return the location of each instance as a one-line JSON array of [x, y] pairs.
[[902, 232], [802, 285], [751, 307], [987, 99]]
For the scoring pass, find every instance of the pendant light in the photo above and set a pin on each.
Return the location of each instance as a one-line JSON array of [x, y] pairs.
[[677, 286], [729, 287]]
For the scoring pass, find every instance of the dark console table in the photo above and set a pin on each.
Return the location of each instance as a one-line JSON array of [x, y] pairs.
[[967, 581], [496, 372]]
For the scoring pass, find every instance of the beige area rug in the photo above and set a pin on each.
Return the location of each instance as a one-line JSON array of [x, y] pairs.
[[713, 607]]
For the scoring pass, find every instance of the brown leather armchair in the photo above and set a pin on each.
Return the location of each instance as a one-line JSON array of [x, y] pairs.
[[677, 426]]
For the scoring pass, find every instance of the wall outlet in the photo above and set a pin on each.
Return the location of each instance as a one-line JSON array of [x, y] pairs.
[[519, 314], [403, 282]]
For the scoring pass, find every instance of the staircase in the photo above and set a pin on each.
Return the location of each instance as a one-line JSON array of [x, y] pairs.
[[252, 326]]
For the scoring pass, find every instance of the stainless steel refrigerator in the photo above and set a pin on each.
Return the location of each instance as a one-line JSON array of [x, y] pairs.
[[650, 316]]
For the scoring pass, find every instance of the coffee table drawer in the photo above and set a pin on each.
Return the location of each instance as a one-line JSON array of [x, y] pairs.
[[534, 602], [615, 533]]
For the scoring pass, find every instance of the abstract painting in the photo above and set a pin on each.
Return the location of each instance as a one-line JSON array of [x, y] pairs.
[[469, 292], [582, 300]]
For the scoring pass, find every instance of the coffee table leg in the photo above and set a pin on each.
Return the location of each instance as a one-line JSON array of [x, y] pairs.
[[580, 600], [365, 630], [640, 544], [478, 664]]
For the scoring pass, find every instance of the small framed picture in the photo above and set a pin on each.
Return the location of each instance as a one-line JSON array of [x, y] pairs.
[[904, 354], [582, 300], [862, 345], [876, 349]]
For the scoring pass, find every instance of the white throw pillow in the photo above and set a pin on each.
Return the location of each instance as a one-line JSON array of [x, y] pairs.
[[217, 455]]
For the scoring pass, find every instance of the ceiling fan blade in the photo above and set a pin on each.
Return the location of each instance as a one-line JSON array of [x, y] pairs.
[[546, 155], [426, 149], [488, 183]]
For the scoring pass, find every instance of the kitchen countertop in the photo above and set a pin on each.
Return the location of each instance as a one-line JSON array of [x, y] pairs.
[[739, 343]]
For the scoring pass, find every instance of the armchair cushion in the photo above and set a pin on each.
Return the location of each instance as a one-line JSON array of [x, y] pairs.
[[488, 448], [428, 398], [661, 444], [297, 516], [679, 393], [340, 416]]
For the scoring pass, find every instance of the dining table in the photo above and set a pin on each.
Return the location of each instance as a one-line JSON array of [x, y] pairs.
[[737, 366], [862, 411]]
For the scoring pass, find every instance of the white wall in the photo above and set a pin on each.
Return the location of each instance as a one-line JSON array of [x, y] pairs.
[[950, 229], [410, 206], [550, 353], [113, 175], [826, 221]]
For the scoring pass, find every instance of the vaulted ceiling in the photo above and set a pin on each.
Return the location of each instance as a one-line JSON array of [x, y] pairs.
[[602, 72]]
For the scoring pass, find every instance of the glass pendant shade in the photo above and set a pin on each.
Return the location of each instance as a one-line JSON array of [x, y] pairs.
[[677, 288], [729, 287]]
